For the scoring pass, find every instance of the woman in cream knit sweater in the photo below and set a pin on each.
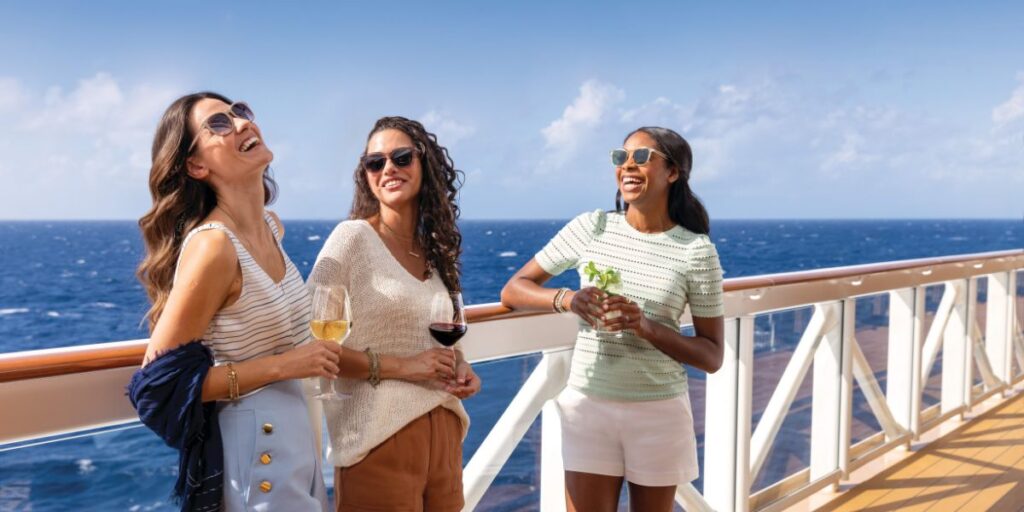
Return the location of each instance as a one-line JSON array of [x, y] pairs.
[[397, 442]]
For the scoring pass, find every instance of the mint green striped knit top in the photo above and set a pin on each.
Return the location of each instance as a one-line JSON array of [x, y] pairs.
[[661, 272]]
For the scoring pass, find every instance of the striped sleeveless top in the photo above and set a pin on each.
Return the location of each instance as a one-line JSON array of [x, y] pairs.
[[268, 318]]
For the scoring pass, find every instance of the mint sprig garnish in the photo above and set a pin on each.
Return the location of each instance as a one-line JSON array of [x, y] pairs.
[[602, 279]]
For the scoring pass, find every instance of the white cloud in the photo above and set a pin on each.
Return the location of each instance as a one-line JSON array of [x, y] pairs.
[[88, 108], [849, 153], [585, 113], [661, 111], [776, 138], [80, 153], [449, 131], [1013, 108], [12, 95]]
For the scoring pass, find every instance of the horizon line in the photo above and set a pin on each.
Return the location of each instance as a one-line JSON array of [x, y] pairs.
[[542, 219]]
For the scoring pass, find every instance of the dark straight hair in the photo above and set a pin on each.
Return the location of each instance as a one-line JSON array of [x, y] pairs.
[[684, 207]]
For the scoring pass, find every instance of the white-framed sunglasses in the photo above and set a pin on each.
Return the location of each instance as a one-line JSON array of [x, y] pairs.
[[640, 156]]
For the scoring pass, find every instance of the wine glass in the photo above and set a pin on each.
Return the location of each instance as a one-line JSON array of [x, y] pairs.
[[447, 318], [331, 321]]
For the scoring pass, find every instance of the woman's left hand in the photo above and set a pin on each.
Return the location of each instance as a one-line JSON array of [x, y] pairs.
[[466, 383], [631, 317]]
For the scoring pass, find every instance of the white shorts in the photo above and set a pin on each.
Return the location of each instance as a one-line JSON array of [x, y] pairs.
[[650, 443]]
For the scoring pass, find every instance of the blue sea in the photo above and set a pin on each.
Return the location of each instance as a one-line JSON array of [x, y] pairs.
[[73, 283]]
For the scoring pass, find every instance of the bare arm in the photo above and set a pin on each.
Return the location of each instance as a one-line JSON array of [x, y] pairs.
[[331, 269], [205, 283], [524, 291], [704, 351], [433, 364]]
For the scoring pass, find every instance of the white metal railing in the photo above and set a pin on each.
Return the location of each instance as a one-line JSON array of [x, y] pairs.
[[828, 345]]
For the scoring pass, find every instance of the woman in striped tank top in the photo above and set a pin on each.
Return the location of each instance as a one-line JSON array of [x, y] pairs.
[[215, 271], [625, 412]]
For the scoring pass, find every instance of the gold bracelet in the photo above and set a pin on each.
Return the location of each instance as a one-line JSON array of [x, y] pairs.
[[232, 382]]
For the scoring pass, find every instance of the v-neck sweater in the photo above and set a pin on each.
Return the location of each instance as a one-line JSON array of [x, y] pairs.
[[390, 315]]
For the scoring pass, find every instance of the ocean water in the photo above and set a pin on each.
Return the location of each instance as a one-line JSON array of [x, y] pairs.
[[73, 283]]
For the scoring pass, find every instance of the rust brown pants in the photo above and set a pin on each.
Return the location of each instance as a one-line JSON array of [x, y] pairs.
[[419, 469]]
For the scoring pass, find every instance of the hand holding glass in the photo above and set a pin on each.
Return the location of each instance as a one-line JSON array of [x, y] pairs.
[[331, 321], [609, 281], [447, 318]]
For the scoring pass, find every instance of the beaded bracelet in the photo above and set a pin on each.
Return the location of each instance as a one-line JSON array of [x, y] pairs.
[[557, 301], [374, 377]]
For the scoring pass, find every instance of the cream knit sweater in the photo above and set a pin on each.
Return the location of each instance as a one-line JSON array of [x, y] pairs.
[[390, 315]]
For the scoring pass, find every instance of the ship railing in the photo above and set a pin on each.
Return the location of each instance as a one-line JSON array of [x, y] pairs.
[[63, 391]]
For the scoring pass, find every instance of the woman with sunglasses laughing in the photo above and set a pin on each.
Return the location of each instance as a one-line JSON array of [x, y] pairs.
[[625, 412], [229, 337], [397, 443]]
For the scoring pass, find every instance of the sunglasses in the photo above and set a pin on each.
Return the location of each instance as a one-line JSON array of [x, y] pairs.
[[640, 156], [375, 162], [221, 122]]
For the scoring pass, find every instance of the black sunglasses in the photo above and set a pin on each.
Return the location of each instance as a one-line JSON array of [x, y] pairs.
[[221, 123], [375, 162]]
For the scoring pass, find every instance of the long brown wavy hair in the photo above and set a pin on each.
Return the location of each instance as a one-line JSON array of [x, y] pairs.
[[436, 229], [180, 202]]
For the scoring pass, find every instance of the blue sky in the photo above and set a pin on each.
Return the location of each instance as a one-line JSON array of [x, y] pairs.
[[801, 110]]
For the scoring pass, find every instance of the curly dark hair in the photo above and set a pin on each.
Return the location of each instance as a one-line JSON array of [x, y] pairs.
[[436, 229]]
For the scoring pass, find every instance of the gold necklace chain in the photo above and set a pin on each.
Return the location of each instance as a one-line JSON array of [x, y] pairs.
[[411, 240]]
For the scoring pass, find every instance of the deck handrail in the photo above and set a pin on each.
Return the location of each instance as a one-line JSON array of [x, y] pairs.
[[828, 347], [33, 364]]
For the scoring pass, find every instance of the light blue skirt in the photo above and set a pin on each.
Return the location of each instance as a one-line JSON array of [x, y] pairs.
[[270, 457]]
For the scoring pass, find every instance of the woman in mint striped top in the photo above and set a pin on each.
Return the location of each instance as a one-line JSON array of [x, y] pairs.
[[626, 411]]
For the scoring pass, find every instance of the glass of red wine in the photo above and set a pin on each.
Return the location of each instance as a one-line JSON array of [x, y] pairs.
[[447, 318]]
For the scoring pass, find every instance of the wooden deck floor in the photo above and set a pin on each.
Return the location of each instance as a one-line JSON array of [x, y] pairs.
[[978, 467]]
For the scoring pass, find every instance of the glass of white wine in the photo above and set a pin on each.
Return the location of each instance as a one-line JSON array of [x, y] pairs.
[[331, 321]]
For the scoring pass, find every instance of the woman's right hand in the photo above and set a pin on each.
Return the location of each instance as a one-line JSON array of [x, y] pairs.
[[314, 359], [586, 303], [436, 364]]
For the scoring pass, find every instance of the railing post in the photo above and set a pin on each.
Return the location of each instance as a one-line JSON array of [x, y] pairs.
[[1016, 327], [827, 399], [727, 420], [971, 313], [544, 383], [552, 472], [997, 326], [903, 389], [956, 350]]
